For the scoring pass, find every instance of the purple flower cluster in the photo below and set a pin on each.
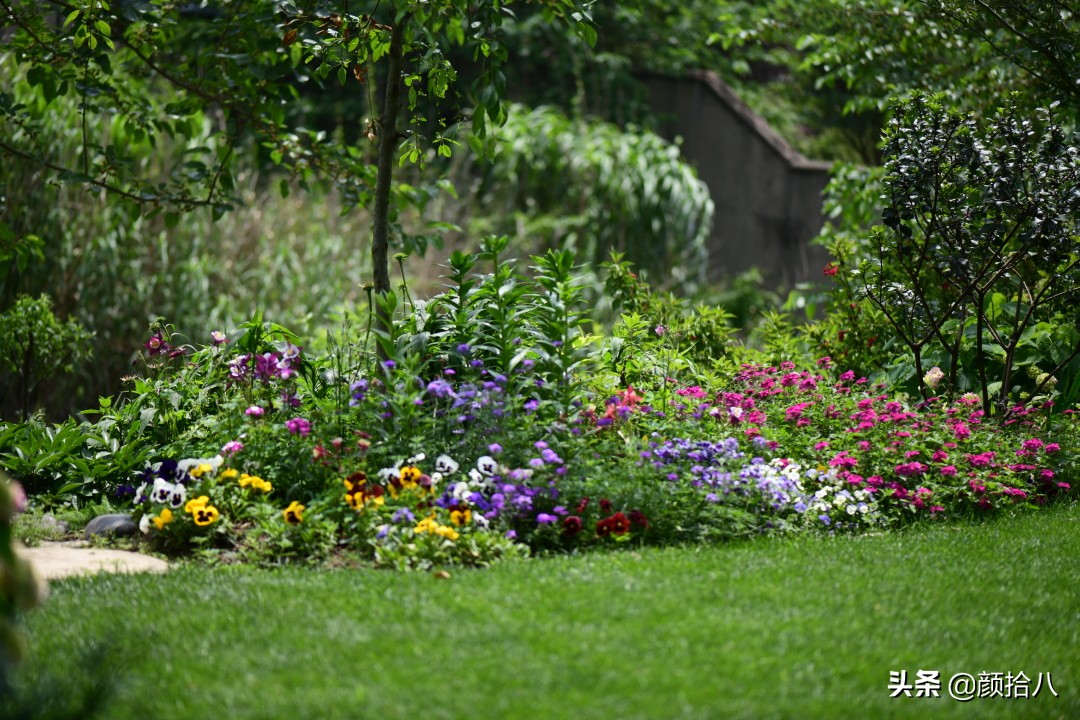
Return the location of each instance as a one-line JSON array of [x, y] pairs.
[[265, 367]]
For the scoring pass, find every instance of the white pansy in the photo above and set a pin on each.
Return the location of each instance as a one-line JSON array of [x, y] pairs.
[[144, 524], [162, 491], [418, 457], [850, 509], [446, 464], [487, 465], [178, 496], [461, 491], [388, 473], [864, 508], [480, 521], [822, 492]]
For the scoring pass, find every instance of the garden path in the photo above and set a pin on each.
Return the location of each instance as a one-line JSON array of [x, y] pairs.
[[55, 560]]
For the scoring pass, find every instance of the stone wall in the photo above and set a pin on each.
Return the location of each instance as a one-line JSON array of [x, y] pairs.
[[767, 195]]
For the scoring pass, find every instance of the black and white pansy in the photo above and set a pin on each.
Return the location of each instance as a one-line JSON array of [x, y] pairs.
[[388, 474], [162, 492], [481, 482], [446, 465], [461, 491], [487, 465], [167, 493]]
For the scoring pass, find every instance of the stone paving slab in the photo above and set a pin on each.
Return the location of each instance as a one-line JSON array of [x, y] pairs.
[[55, 560]]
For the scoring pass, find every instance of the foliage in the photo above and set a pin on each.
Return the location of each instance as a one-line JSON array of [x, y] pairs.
[[495, 426], [20, 589], [603, 190], [975, 265], [143, 65], [843, 62], [35, 348]]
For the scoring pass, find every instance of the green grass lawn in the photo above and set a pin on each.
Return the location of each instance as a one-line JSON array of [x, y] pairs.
[[799, 628]]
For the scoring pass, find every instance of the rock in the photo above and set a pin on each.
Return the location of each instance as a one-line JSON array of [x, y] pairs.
[[55, 560], [50, 524], [117, 524]]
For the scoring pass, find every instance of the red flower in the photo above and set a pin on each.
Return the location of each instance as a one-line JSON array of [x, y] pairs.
[[571, 525], [605, 505], [831, 269], [617, 524]]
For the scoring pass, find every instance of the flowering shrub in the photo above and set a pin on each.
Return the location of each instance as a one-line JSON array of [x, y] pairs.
[[491, 427]]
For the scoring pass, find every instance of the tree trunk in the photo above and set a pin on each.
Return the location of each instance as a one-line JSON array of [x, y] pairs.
[[388, 142]]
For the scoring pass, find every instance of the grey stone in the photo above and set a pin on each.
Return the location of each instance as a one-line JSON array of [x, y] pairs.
[[114, 524], [50, 524]]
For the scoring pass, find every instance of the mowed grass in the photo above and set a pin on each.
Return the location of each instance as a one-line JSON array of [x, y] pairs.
[[784, 628]]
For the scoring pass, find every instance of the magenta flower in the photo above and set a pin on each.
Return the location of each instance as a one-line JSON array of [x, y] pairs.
[[232, 447], [299, 426], [218, 337], [157, 344], [255, 411]]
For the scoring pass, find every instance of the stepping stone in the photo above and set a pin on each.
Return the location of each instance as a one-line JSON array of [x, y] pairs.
[[117, 524], [54, 560]]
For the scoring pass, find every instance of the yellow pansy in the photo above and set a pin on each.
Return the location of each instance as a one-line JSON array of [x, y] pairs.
[[229, 474], [163, 519], [461, 517], [206, 515], [196, 503], [447, 532], [294, 514], [201, 469]]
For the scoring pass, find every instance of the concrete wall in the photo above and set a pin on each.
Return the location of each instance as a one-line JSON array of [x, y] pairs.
[[767, 195]]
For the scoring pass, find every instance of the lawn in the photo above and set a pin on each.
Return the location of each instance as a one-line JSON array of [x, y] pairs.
[[806, 627]]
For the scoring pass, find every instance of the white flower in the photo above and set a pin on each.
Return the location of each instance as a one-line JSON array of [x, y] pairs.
[[419, 457], [822, 492], [863, 508], [479, 520], [436, 478], [388, 473], [735, 412], [179, 494], [487, 465], [162, 491], [144, 524], [140, 493], [850, 509], [461, 491], [446, 465], [933, 377]]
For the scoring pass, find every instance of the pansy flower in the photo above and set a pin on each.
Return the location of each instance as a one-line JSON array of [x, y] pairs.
[[487, 465], [205, 515], [294, 514], [446, 465], [163, 519]]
